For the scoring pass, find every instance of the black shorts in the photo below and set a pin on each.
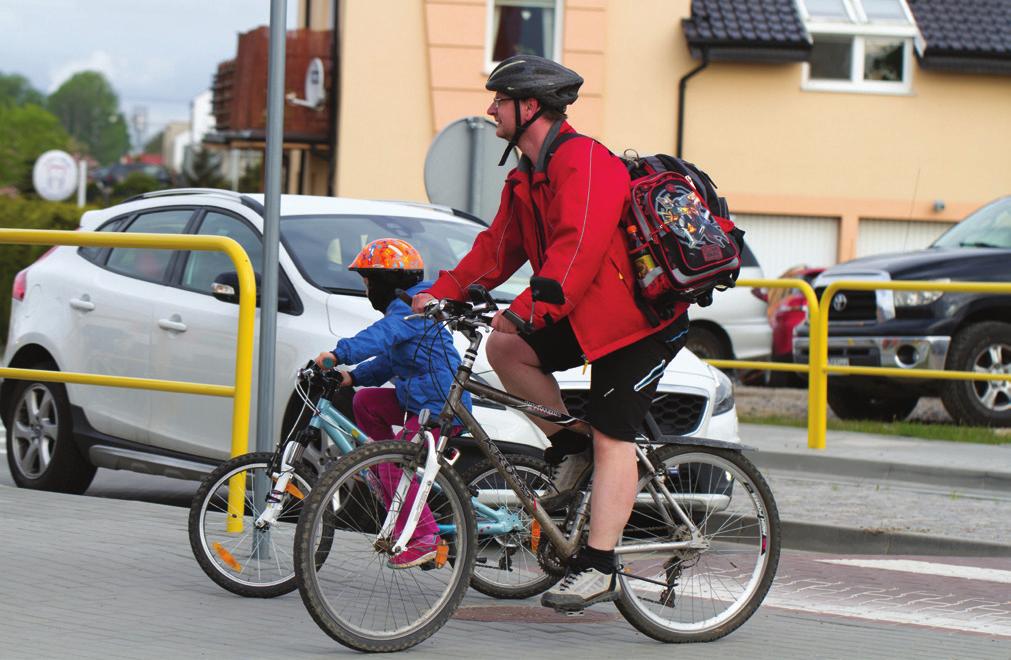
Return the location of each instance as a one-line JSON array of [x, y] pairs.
[[622, 383]]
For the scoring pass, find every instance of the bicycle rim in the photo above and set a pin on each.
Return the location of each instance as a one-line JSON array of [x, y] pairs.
[[243, 556], [354, 594], [703, 594], [506, 564]]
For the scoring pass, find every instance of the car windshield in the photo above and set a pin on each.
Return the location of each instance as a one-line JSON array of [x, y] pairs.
[[323, 246], [990, 226]]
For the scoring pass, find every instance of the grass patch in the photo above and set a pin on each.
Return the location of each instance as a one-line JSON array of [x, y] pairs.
[[975, 434]]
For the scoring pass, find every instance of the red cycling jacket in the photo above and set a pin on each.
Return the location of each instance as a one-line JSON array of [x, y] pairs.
[[580, 199]]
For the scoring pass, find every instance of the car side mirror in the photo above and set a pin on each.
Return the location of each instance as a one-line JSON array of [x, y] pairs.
[[545, 289], [226, 289], [761, 294]]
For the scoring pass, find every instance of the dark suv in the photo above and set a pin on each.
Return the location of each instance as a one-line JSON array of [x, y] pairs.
[[925, 329]]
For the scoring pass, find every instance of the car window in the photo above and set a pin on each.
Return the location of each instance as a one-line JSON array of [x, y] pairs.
[[149, 264], [203, 267], [93, 254], [989, 226], [324, 246], [748, 259]]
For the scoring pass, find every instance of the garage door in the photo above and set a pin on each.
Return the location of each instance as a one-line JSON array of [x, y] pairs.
[[880, 236], [782, 242]]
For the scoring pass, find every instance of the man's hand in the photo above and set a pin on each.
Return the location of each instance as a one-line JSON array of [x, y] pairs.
[[345, 378], [419, 301], [500, 323]]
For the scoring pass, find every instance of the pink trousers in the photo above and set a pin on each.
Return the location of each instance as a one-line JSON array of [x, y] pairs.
[[377, 411]]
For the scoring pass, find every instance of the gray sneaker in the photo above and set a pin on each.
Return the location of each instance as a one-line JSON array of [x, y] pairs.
[[579, 590]]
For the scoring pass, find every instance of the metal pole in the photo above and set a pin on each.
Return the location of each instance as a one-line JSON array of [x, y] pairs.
[[271, 240], [82, 182], [474, 189]]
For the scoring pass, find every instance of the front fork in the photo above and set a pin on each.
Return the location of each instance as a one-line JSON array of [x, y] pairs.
[[275, 499]]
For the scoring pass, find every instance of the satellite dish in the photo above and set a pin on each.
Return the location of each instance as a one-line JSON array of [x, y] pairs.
[[315, 91], [462, 170]]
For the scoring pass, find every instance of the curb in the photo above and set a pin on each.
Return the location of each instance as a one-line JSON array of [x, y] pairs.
[[813, 537], [884, 471]]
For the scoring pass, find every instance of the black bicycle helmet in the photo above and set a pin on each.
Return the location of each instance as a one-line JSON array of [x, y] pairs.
[[530, 76]]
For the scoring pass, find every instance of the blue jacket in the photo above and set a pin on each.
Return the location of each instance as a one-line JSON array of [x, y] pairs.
[[417, 357]]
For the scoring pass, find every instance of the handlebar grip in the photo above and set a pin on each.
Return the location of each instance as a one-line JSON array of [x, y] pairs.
[[329, 363], [524, 326], [403, 295]]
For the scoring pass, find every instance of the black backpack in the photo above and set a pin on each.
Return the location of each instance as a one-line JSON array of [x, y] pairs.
[[681, 241]]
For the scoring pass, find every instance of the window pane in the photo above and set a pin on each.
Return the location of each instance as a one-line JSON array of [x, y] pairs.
[[827, 9], [143, 263], [831, 59], [93, 253], [523, 29], [203, 267], [889, 10], [883, 59]]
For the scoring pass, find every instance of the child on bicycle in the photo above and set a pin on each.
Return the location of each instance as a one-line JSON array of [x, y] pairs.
[[418, 358]]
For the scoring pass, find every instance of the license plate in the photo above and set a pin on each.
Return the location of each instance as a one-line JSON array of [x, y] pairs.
[[839, 361]]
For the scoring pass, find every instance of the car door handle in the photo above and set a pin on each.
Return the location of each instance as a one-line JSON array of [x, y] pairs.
[[174, 324], [83, 303]]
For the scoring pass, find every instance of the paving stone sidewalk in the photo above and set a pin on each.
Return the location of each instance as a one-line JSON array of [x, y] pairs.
[[96, 578]]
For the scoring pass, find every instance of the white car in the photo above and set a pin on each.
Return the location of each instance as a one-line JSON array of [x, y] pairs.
[[735, 326], [150, 314]]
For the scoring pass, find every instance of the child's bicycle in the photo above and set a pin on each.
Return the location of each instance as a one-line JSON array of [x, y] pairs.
[[245, 545], [698, 554]]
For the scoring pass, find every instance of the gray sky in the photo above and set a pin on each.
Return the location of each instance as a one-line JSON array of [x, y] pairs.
[[157, 54]]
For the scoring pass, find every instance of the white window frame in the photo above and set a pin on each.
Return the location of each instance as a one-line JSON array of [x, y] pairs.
[[859, 29], [489, 37]]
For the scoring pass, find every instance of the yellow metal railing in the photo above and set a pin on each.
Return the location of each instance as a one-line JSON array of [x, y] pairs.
[[240, 392], [817, 367]]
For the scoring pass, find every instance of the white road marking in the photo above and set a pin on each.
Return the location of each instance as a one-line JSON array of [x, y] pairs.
[[928, 568]]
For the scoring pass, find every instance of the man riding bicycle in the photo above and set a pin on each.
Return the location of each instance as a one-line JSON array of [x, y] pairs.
[[560, 212]]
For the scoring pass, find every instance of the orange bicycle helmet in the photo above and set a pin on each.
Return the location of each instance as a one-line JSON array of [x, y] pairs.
[[390, 254]]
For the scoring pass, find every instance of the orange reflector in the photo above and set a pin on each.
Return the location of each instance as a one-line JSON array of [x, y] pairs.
[[293, 490], [535, 535], [441, 554], [227, 557]]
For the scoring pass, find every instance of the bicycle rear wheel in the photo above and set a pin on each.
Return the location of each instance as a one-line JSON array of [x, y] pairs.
[[355, 595], [506, 565], [244, 560], [698, 595]]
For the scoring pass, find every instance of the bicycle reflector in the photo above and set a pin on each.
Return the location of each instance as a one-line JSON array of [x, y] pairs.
[[441, 554], [293, 490], [535, 535], [227, 557]]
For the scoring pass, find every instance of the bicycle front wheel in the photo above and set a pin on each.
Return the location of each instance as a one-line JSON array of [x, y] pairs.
[[360, 594], [508, 537], [699, 594], [230, 550]]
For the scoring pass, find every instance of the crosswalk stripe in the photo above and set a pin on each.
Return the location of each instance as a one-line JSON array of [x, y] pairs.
[[928, 568]]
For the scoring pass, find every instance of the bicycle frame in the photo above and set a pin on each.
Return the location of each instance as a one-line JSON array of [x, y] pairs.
[[565, 547]]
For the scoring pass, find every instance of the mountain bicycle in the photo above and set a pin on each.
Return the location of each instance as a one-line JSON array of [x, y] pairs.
[[698, 554], [245, 545]]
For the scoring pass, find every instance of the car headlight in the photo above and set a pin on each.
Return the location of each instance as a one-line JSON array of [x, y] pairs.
[[918, 298], [723, 400]]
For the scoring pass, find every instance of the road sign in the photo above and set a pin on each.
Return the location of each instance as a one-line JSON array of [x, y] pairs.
[[461, 168], [55, 175]]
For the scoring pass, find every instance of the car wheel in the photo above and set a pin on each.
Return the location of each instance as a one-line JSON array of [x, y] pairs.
[[847, 403], [984, 348], [41, 451], [706, 344]]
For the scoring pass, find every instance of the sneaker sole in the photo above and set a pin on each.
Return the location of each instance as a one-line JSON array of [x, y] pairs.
[[575, 603], [423, 559]]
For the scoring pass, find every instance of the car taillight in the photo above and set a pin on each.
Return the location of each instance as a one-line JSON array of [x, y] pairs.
[[21, 279], [20, 284]]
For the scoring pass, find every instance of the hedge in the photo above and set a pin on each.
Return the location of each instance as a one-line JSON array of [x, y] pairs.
[[27, 214]]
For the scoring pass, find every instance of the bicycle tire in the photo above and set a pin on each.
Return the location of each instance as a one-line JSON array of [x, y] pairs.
[[204, 534], [732, 505], [356, 555], [501, 553]]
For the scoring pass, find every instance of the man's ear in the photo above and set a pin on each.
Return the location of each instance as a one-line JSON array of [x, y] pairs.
[[532, 105]]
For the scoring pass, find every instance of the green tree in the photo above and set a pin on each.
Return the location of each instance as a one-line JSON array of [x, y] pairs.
[[204, 170], [25, 133], [154, 145], [89, 109], [16, 90]]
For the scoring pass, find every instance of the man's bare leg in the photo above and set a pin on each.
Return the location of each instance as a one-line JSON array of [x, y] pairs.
[[520, 371], [614, 479]]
